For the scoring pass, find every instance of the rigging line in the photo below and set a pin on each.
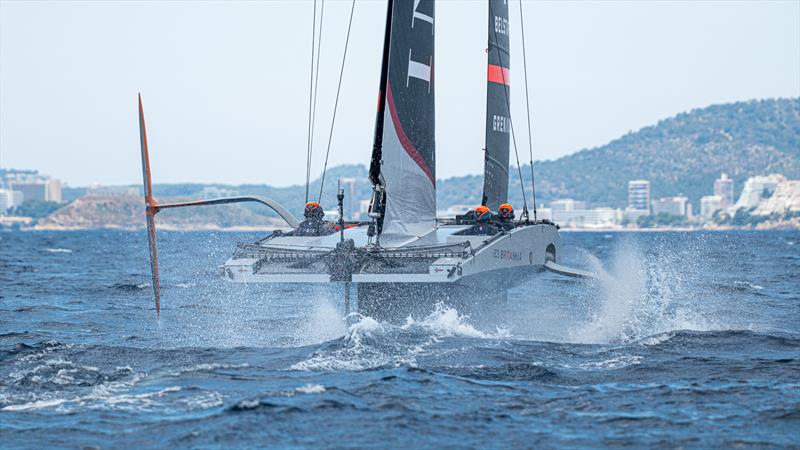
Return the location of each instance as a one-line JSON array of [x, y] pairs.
[[316, 85], [316, 75], [310, 97], [511, 121], [527, 105], [336, 103]]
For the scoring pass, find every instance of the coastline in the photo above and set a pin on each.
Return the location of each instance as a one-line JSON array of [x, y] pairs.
[[269, 228]]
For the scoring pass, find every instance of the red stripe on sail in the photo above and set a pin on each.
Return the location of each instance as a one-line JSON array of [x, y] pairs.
[[499, 75], [404, 140]]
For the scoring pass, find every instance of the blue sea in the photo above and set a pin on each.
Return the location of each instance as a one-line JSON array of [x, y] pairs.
[[686, 340]]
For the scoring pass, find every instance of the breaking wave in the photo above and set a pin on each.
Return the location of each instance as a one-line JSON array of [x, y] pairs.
[[130, 287], [370, 344], [46, 376], [58, 250]]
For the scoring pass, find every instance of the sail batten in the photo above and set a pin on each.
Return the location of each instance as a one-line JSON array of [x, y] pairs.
[[498, 116]]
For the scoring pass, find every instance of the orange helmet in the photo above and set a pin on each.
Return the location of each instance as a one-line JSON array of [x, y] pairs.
[[506, 211], [313, 211], [482, 213]]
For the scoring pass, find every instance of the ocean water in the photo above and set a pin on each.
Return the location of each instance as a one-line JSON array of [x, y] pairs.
[[686, 340]]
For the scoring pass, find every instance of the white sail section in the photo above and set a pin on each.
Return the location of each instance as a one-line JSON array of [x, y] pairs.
[[411, 196]]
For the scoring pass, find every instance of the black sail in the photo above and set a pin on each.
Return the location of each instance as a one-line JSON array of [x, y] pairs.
[[404, 156], [498, 122]]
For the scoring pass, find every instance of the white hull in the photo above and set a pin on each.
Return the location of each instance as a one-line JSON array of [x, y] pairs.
[[506, 257]]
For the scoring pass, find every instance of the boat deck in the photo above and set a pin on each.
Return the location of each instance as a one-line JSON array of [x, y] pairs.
[[441, 256]]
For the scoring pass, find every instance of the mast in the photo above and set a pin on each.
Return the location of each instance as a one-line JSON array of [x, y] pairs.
[[377, 146], [378, 201], [498, 115]]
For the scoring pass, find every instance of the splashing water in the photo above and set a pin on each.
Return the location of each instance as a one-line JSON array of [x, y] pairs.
[[642, 294], [368, 343], [325, 324]]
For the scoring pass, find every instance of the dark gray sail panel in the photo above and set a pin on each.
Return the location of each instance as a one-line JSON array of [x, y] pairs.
[[410, 93], [498, 116]]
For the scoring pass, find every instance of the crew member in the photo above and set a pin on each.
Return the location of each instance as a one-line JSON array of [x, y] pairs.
[[484, 226], [505, 216], [313, 225], [470, 216]]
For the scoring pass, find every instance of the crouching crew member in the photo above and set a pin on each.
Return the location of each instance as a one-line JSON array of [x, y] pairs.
[[505, 216], [484, 225], [313, 225]]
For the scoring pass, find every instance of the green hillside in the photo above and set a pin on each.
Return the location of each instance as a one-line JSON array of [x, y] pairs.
[[680, 155]]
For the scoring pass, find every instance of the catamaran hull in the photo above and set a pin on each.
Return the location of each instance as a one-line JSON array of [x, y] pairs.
[[507, 257]]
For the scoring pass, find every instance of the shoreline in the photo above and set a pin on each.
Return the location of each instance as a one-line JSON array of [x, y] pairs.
[[247, 228]]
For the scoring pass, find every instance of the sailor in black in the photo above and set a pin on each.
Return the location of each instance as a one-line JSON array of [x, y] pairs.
[[313, 225], [505, 216], [484, 225]]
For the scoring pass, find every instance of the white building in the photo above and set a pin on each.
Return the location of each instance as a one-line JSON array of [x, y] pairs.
[[757, 189], [6, 200], [639, 195], [41, 189], [583, 218], [566, 204], [785, 199], [352, 210], [723, 186], [709, 205], [675, 206], [544, 214], [10, 199]]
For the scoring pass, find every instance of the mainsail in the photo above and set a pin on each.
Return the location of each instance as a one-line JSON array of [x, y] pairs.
[[403, 160], [498, 122]]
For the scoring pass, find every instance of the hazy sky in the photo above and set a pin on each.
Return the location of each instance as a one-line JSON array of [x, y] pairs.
[[225, 85]]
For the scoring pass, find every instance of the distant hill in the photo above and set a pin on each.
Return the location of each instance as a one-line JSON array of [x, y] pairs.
[[680, 155], [127, 213]]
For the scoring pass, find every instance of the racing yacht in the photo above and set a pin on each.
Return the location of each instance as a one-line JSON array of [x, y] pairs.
[[403, 254]]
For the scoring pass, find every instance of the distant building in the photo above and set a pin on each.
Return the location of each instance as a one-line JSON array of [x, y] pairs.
[[45, 190], [7, 176], [31, 184], [10, 199], [639, 195], [573, 213], [786, 198], [675, 206], [709, 205], [757, 189], [566, 205], [587, 218], [351, 201], [723, 187], [544, 214]]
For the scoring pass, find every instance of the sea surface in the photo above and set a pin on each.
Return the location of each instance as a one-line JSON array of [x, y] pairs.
[[687, 340]]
